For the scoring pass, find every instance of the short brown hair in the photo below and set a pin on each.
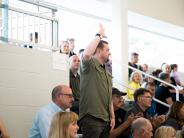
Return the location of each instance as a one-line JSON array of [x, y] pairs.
[[138, 92], [101, 44], [56, 91]]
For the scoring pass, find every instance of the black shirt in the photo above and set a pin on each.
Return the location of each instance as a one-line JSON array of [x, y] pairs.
[[119, 119], [162, 93], [75, 85]]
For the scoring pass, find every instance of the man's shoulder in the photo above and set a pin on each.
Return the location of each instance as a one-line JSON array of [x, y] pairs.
[[135, 109], [46, 109]]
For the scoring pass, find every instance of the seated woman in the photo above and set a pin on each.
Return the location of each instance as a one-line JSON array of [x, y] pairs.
[[165, 132], [175, 117], [135, 81], [3, 130], [64, 125]]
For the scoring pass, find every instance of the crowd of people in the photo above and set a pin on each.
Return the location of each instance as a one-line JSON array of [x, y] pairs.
[[91, 106], [98, 110]]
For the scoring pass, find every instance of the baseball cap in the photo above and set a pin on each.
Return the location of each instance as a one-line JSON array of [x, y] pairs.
[[117, 92]]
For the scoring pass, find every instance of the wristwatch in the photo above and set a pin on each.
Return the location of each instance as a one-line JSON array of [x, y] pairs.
[[99, 35]]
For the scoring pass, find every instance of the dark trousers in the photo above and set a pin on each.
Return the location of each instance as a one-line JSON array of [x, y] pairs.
[[93, 127]]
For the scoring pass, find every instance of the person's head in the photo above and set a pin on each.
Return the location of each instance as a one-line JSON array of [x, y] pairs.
[[180, 133], [74, 63], [64, 125], [117, 98], [64, 47], [176, 112], [174, 67], [62, 96], [141, 128], [143, 98], [149, 79], [156, 72], [165, 77], [102, 51], [165, 132], [151, 87], [71, 42], [81, 51], [166, 68], [136, 77], [145, 67], [134, 58]]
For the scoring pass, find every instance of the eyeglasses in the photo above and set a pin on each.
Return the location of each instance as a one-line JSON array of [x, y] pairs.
[[69, 95], [149, 97]]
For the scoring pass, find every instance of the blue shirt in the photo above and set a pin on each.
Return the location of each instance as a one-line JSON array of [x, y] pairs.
[[41, 123], [152, 109]]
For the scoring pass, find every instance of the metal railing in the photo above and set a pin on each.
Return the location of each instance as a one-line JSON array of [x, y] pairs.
[[155, 78], [128, 87], [29, 27], [146, 74]]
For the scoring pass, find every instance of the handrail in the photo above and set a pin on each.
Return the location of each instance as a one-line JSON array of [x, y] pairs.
[[158, 101], [32, 14], [128, 87], [41, 4], [52, 42], [171, 85]]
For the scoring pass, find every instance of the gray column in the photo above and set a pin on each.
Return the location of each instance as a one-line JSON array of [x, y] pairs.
[[4, 20], [119, 42]]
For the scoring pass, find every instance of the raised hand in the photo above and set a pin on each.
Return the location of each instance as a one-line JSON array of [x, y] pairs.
[[101, 30]]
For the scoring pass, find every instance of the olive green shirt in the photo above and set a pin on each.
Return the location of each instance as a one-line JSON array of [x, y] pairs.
[[96, 90]]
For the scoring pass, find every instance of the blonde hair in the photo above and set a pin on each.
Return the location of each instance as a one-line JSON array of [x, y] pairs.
[[60, 123], [164, 131], [133, 74]]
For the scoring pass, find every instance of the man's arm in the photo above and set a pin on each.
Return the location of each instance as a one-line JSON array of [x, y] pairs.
[[117, 131], [3, 130], [112, 119], [157, 120], [89, 51], [44, 126]]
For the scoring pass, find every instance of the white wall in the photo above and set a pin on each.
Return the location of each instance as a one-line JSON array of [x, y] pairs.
[[27, 78], [171, 11]]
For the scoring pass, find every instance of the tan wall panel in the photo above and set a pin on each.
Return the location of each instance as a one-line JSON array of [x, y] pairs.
[[27, 78]]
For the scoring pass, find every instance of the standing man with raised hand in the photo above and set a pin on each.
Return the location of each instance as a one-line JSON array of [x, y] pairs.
[[96, 109]]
